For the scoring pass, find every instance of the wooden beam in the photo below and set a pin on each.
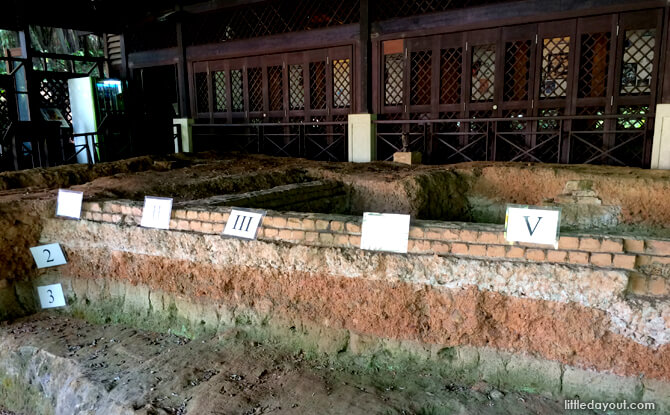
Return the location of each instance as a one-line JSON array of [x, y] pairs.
[[526, 11], [214, 5], [148, 58], [321, 38]]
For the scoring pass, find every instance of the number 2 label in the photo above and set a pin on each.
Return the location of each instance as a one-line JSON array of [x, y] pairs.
[[48, 255]]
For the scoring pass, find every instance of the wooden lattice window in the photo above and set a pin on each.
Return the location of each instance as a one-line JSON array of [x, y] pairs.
[[483, 72]]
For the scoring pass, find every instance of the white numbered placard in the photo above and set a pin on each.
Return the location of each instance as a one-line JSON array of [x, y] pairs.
[[51, 296], [48, 255], [532, 224], [243, 223], [69, 203], [156, 212], [385, 232]]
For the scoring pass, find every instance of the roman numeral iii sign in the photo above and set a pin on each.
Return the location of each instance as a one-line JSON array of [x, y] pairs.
[[243, 223], [532, 224]]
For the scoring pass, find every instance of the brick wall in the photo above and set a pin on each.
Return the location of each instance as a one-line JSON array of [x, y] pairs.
[[648, 259]]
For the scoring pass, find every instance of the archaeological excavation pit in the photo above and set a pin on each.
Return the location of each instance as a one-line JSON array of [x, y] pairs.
[[301, 320]]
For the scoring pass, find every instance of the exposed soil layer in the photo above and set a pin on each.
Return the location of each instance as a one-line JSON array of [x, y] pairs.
[[567, 332], [152, 373]]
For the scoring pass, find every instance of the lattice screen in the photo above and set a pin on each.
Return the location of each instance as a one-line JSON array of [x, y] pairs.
[[269, 18], [275, 88], [419, 77], [202, 97], [236, 90], [296, 87], [393, 79], [219, 85], [517, 70], [341, 83], [637, 64], [54, 94], [483, 72], [450, 75], [593, 65], [317, 84], [555, 66], [255, 85]]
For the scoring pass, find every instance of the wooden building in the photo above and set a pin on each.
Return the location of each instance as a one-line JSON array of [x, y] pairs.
[[460, 80]]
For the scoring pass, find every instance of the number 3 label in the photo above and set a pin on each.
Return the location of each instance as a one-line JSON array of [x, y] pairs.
[[51, 296], [48, 255]]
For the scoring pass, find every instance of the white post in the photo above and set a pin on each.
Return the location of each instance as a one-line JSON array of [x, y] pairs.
[[660, 149], [362, 138], [186, 138]]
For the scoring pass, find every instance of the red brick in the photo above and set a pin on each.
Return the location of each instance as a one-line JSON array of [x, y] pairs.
[[418, 245], [182, 225], [311, 236], [556, 256], [106, 217], [336, 226], [415, 232], [589, 244], [601, 260], [342, 240], [496, 251], [568, 242], [191, 214], [353, 227], [355, 240], [326, 238], [433, 234], [278, 222], [467, 235], [308, 224], [173, 223], [633, 245], [624, 261], [195, 226], [216, 217], [490, 237], [294, 223], [207, 227], [459, 248], [658, 247], [612, 245], [203, 216], [637, 284], [270, 232], [440, 247], [218, 228], [321, 225], [180, 214], [284, 234], [575, 257], [450, 235], [658, 286], [515, 252], [535, 254], [476, 250]]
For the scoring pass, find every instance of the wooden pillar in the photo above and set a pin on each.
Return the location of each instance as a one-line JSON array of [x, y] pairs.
[[664, 68], [182, 75], [31, 84], [363, 78]]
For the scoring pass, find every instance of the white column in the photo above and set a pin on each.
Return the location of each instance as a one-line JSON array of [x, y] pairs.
[[362, 138], [660, 149], [186, 134]]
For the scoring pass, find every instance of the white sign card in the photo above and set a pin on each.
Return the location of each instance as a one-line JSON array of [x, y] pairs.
[[156, 212], [244, 223], [385, 232], [69, 203], [48, 255], [531, 224], [51, 296]]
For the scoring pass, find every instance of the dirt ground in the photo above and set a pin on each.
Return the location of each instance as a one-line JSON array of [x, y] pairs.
[[229, 374]]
